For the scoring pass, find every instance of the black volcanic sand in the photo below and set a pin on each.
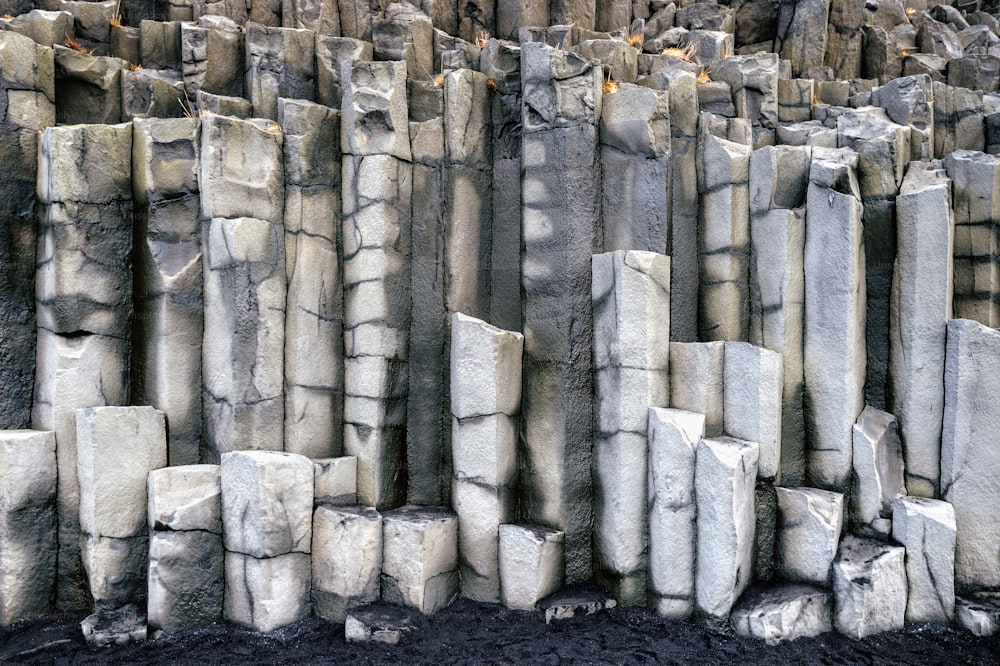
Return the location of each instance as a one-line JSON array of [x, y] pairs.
[[472, 633]]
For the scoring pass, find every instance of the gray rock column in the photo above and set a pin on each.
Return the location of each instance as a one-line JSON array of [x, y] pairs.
[[834, 349], [83, 307], [673, 436], [486, 399], [910, 101], [696, 381], [561, 228], [117, 448], [531, 565], [331, 52], [753, 81], [920, 303], [186, 560], [212, 57], [725, 476], [28, 523], [878, 472], [801, 33], [420, 557], [809, 525], [631, 307], [336, 481], [320, 16], [926, 528], [346, 559], [752, 378], [869, 587], [377, 182], [314, 309], [242, 206], [168, 327], [88, 88], [968, 482], [280, 62], [843, 52]]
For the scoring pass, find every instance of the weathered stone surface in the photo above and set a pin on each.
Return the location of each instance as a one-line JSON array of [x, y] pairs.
[[335, 480], [869, 587], [186, 579], [28, 523], [574, 603], [910, 101], [267, 500], [752, 377], [266, 594], [926, 528], [212, 58], [673, 437], [531, 564], [408, 40], [114, 627], [374, 108], [834, 358], [45, 28], [381, 623], [241, 169], [784, 613], [696, 381], [280, 62], [89, 87], [878, 472], [346, 559], [809, 526], [420, 557], [979, 613], [185, 497], [753, 81], [968, 460], [801, 33], [330, 53], [320, 16], [115, 569], [222, 105], [920, 302], [959, 121], [725, 476]]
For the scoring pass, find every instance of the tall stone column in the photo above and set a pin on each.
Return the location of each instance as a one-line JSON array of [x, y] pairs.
[[280, 62], [83, 307], [314, 315], [377, 182], [561, 228]]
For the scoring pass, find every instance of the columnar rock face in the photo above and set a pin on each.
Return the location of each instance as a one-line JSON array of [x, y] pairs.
[[186, 558], [346, 559], [631, 297], [673, 437], [869, 587], [117, 448], [168, 328], [28, 521], [696, 381], [83, 307], [801, 33], [809, 526], [753, 82], [926, 528], [531, 565], [752, 401], [420, 557], [968, 482], [377, 181], [280, 62], [834, 350], [314, 347], [878, 472], [725, 476], [784, 613], [560, 226], [242, 207], [486, 397], [335, 481], [920, 308], [212, 57]]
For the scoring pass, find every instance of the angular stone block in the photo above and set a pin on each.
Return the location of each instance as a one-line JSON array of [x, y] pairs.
[[280, 62], [375, 110], [420, 557], [120, 626], [381, 623], [330, 53], [979, 613], [802, 34], [574, 603], [89, 88], [725, 477], [752, 400], [320, 16], [185, 497], [532, 564], [266, 594], [28, 523], [673, 437], [809, 527], [346, 559], [926, 528], [696, 381], [335, 480], [115, 569], [186, 579], [784, 613], [869, 587], [878, 472], [213, 58]]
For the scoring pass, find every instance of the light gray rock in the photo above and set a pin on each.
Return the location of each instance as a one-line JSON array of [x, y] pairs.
[[696, 381], [921, 301], [320, 16], [979, 613], [374, 108], [28, 523], [280, 62], [185, 497], [186, 579], [569, 604], [115, 569], [968, 481], [878, 472], [266, 594], [346, 559], [834, 349], [926, 528], [212, 57], [409, 40], [725, 476], [381, 623], [532, 564], [753, 81], [958, 119], [673, 437], [910, 101], [801, 33], [752, 377], [331, 51], [809, 526], [784, 613], [869, 587], [335, 480], [420, 557]]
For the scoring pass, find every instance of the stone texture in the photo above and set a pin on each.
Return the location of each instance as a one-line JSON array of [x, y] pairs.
[[115, 569], [926, 528], [374, 108], [89, 88], [979, 614], [802, 33], [346, 559], [809, 527], [752, 377], [185, 497], [114, 627], [186, 579], [673, 437], [869, 587], [330, 53], [696, 381], [725, 476], [381, 623], [878, 472], [784, 613], [266, 594], [320, 16], [28, 523], [531, 564], [335, 481], [420, 557], [212, 58], [568, 604], [280, 62]]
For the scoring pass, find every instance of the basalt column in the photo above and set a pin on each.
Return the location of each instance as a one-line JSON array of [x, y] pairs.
[[377, 181], [561, 229], [314, 337], [83, 306]]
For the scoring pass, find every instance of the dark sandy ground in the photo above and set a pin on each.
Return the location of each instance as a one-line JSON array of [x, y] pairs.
[[473, 633]]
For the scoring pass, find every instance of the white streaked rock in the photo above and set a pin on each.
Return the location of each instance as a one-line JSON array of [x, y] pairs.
[[752, 401], [346, 559], [420, 557], [266, 594], [335, 480], [784, 613], [809, 525], [878, 472], [926, 528], [531, 564], [869, 587], [696, 381]]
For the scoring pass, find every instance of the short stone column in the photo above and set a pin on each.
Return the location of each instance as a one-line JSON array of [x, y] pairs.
[[531, 565], [346, 559], [420, 557]]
